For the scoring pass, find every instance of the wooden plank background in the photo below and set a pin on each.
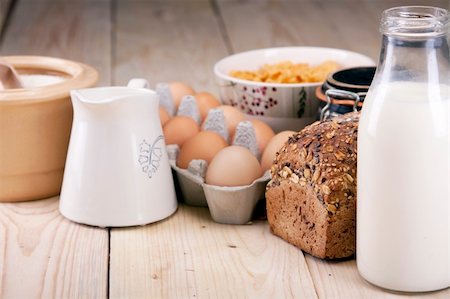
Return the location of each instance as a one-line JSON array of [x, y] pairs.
[[42, 255], [4, 9]]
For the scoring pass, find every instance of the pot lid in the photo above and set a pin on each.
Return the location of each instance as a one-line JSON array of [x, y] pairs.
[[74, 75]]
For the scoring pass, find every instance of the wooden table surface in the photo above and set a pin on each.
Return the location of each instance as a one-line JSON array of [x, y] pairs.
[[43, 255]]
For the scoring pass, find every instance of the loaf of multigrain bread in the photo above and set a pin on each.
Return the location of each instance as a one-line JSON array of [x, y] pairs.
[[311, 199]]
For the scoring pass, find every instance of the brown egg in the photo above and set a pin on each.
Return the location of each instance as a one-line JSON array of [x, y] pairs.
[[205, 102], [232, 117], [179, 129], [273, 147], [263, 133], [233, 166], [179, 90], [163, 116], [203, 146]]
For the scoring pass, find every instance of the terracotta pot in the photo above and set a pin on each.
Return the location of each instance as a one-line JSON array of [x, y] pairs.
[[35, 126]]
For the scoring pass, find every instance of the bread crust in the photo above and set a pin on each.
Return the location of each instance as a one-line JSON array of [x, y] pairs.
[[311, 198]]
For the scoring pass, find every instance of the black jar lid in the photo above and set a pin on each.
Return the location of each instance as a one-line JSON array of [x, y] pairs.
[[356, 80]]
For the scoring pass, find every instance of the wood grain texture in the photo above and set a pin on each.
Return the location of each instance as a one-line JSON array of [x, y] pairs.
[[296, 23], [190, 256], [78, 30], [4, 8], [340, 279], [346, 24], [43, 255], [167, 41]]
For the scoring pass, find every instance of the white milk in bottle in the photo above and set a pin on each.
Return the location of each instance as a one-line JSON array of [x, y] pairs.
[[403, 180], [403, 200]]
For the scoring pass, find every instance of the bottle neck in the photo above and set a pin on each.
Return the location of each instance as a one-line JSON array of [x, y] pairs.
[[415, 60], [415, 21], [415, 46]]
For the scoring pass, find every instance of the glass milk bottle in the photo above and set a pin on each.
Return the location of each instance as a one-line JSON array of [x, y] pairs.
[[403, 156]]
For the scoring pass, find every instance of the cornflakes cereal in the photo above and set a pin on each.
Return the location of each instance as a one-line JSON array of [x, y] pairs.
[[288, 72]]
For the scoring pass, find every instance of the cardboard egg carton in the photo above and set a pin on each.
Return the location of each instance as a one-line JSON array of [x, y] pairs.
[[229, 205]]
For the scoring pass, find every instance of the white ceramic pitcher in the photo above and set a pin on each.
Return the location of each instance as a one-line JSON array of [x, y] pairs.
[[117, 171]]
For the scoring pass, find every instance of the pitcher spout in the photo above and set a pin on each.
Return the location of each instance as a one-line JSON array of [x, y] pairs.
[[126, 97], [102, 95]]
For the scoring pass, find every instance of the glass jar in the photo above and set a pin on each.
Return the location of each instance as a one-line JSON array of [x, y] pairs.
[[344, 91], [403, 156]]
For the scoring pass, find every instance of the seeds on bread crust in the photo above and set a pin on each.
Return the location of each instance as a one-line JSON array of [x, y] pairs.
[[316, 169]]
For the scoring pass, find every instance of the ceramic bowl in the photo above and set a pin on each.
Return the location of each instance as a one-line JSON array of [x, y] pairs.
[[281, 105], [35, 124]]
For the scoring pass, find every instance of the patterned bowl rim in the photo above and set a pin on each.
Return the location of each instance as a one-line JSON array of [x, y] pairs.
[[233, 80]]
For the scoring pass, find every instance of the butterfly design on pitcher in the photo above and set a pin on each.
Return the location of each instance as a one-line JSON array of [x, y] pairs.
[[150, 155]]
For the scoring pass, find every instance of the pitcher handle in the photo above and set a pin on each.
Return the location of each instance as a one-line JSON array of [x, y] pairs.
[[138, 83]]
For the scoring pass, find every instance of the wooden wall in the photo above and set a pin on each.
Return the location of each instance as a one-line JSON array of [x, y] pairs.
[[4, 8]]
